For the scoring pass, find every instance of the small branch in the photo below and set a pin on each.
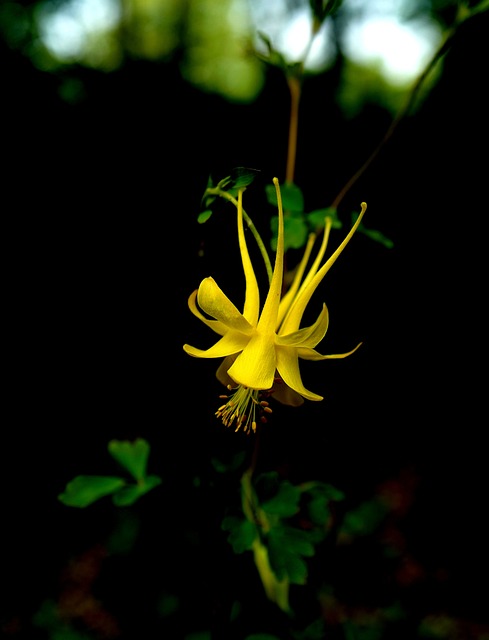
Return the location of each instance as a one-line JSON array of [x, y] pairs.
[[413, 94]]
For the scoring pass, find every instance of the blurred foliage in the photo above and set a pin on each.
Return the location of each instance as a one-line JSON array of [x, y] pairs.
[[215, 45], [208, 40]]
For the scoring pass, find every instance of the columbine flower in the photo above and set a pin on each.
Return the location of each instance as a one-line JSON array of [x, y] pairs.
[[261, 351]]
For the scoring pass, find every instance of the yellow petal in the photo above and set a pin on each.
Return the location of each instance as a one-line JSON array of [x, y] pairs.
[[294, 316], [255, 366], [216, 304], [286, 299], [288, 368], [215, 325], [312, 354], [267, 323], [308, 336], [232, 342], [251, 308]]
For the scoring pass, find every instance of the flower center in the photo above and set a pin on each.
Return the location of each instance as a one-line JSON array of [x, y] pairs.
[[242, 408]]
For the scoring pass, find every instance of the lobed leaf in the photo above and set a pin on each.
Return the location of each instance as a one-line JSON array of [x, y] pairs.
[[295, 232], [285, 503], [292, 198], [316, 218], [133, 456], [84, 490], [130, 493], [286, 546], [242, 176], [242, 533]]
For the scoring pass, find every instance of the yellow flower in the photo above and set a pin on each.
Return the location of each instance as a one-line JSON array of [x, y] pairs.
[[261, 351]]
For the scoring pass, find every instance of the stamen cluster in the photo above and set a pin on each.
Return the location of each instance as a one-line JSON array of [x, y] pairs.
[[242, 407]]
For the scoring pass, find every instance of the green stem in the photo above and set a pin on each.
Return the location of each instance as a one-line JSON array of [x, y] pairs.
[[276, 590], [215, 191]]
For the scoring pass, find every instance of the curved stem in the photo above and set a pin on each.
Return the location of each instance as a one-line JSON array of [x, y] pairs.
[[227, 196]]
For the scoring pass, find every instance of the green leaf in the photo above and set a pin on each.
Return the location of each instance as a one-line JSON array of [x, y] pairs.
[[292, 198], [373, 234], [377, 236], [297, 541], [277, 557], [130, 493], [204, 216], [318, 506], [84, 490], [242, 533], [133, 456], [242, 177], [208, 199], [261, 636], [296, 569], [295, 231], [285, 503], [332, 492], [315, 219], [275, 58], [319, 510], [286, 545], [365, 519], [284, 559]]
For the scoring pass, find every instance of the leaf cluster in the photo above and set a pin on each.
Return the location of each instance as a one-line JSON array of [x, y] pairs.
[[239, 178], [298, 223], [84, 490], [289, 520]]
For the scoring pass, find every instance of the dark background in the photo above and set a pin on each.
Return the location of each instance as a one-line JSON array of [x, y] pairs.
[[102, 249]]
